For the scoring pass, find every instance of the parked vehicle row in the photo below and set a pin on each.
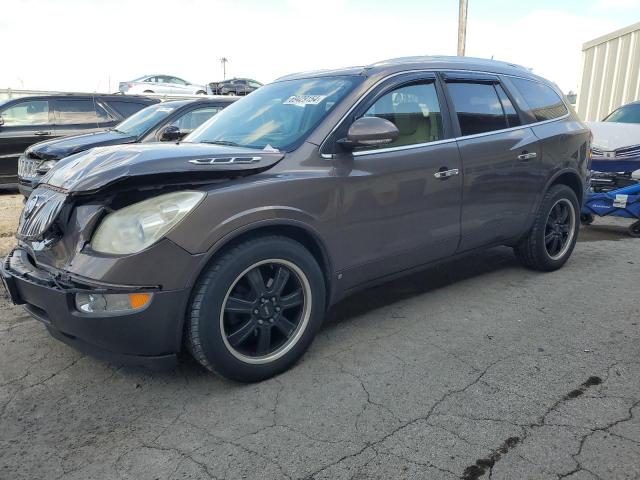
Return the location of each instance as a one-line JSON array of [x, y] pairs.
[[236, 240], [167, 121], [166, 84], [25, 121]]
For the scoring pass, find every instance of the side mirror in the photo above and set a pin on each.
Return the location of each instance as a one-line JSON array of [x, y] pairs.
[[370, 131], [170, 134]]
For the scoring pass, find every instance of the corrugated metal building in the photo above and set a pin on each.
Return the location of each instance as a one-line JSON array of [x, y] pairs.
[[610, 74]]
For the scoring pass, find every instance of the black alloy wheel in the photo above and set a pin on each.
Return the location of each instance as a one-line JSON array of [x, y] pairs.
[[264, 309]]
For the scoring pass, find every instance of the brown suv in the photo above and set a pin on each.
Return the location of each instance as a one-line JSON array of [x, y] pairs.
[[235, 241]]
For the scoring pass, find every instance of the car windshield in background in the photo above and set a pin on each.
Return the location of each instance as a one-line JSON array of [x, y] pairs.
[[279, 115], [145, 119], [626, 114]]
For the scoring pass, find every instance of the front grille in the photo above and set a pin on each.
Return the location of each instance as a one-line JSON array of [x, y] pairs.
[[39, 213], [27, 167], [628, 152]]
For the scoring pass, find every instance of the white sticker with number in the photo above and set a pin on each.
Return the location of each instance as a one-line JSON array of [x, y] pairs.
[[302, 100]]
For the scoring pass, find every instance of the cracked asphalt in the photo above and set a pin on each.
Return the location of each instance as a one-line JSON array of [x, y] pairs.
[[474, 369]]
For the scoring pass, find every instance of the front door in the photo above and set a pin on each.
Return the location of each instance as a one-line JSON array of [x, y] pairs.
[[24, 123], [499, 161], [397, 208]]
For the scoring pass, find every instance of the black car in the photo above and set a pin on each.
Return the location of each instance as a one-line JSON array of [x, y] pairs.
[[25, 121], [167, 121], [234, 86]]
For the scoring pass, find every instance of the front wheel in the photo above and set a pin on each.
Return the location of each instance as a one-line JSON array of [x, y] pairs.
[[256, 309], [551, 240], [634, 229]]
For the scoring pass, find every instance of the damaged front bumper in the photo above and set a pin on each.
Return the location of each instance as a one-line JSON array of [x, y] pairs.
[[150, 337]]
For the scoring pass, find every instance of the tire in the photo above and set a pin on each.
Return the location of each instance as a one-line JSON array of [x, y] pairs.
[[148, 91], [535, 251], [216, 316], [634, 229], [586, 219], [201, 92]]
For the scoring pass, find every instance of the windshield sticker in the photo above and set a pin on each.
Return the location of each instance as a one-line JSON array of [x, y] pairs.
[[302, 100]]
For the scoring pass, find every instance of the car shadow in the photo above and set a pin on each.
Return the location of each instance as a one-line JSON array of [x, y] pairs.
[[432, 278]]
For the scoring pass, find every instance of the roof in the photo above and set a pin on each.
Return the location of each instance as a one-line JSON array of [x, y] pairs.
[[611, 36], [421, 62]]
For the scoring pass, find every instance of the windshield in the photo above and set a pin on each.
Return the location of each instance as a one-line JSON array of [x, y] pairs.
[[626, 114], [145, 119], [279, 115]]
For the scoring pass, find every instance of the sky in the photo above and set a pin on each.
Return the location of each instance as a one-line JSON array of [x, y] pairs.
[[91, 45]]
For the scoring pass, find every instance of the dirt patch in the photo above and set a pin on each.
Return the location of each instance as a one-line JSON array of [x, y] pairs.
[[10, 208]]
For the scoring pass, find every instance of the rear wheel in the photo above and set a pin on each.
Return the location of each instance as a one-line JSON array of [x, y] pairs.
[[553, 236], [634, 229], [256, 309]]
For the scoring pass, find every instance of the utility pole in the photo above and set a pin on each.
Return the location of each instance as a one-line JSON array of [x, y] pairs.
[[462, 27], [224, 61]]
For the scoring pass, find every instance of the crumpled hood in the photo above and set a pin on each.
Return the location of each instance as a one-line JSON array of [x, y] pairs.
[[63, 147], [609, 136], [153, 163]]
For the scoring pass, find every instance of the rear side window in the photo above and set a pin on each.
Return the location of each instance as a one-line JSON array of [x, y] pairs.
[[80, 111], [542, 101], [478, 107], [414, 110], [125, 109]]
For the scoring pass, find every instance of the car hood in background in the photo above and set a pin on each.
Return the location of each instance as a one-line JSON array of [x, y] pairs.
[[63, 147], [610, 136], [155, 164]]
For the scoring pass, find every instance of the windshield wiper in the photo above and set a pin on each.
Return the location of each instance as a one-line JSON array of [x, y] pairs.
[[222, 142]]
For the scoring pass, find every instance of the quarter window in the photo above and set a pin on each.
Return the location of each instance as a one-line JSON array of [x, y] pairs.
[[414, 110], [542, 101], [478, 107], [33, 112]]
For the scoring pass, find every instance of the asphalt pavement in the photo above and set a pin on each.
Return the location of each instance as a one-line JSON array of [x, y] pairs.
[[474, 369]]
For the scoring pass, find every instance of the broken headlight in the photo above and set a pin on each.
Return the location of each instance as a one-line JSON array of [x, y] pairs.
[[138, 226]]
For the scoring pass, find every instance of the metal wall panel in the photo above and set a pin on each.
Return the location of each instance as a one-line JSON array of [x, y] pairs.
[[610, 73]]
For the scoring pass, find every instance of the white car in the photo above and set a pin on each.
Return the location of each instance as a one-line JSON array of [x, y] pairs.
[[165, 84], [617, 144]]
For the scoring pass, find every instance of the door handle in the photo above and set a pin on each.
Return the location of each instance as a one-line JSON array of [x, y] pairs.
[[444, 173], [524, 156], [41, 133]]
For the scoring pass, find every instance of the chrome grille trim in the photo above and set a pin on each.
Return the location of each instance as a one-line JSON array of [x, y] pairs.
[[27, 167], [39, 213]]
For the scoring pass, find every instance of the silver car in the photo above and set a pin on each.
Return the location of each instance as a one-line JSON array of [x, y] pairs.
[[161, 84]]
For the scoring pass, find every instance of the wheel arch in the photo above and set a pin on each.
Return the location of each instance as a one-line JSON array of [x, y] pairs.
[[295, 230], [571, 179]]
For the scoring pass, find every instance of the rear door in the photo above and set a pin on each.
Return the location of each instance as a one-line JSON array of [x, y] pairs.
[[397, 210], [76, 115], [26, 122], [499, 160]]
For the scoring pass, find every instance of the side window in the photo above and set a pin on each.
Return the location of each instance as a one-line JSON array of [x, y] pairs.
[[74, 112], [542, 101], [193, 119], [477, 106], [125, 109], [512, 116], [32, 112], [415, 111], [177, 81]]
